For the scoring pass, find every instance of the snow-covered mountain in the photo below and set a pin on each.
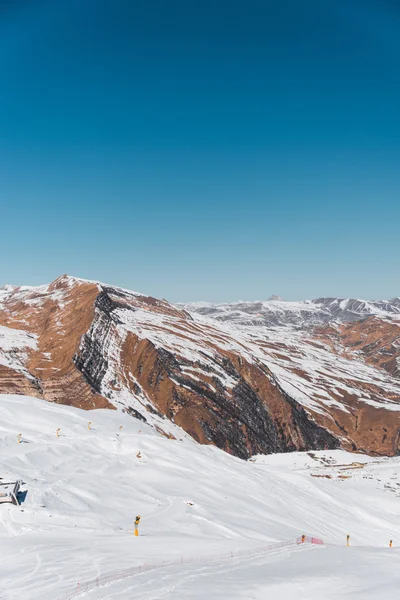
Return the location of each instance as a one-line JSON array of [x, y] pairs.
[[277, 312], [242, 385], [212, 526]]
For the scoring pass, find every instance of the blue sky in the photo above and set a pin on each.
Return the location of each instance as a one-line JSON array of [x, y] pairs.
[[202, 150]]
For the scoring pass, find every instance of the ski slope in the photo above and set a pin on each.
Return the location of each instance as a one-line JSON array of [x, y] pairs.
[[212, 526]]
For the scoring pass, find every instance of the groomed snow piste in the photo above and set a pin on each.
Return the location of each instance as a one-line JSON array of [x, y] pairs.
[[212, 526]]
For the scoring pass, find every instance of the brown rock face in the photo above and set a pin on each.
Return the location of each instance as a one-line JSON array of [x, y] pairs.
[[57, 315], [245, 389], [14, 382], [377, 341]]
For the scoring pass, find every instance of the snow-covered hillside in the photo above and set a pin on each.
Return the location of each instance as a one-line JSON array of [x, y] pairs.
[[225, 526]]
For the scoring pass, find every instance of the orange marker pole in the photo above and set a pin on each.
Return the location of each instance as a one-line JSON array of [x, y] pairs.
[[137, 521]]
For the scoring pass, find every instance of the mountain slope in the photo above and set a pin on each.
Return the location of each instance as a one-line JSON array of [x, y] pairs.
[[248, 389], [216, 518]]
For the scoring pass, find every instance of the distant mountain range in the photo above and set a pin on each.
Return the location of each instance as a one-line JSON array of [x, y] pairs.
[[277, 312], [249, 377]]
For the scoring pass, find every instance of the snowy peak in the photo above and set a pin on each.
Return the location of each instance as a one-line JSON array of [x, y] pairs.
[[350, 309]]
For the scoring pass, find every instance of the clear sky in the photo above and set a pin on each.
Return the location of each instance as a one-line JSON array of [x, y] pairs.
[[211, 150]]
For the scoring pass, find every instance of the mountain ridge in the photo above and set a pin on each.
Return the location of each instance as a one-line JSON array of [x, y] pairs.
[[245, 386], [301, 313]]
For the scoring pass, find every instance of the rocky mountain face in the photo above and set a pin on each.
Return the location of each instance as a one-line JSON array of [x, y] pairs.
[[249, 378]]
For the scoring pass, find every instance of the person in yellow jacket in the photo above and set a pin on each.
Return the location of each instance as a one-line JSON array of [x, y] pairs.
[[137, 521]]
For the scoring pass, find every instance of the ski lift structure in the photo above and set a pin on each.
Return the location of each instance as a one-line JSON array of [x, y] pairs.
[[9, 492]]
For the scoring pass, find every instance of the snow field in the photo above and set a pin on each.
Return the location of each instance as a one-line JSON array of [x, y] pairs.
[[215, 519]]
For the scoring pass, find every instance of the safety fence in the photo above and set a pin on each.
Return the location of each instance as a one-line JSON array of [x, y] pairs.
[[310, 540], [104, 580]]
